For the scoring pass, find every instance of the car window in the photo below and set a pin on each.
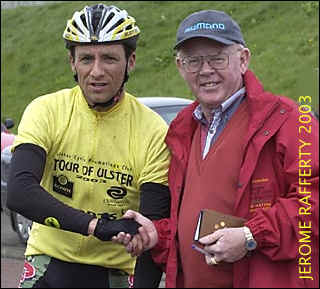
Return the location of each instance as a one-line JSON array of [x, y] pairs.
[[168, 112]]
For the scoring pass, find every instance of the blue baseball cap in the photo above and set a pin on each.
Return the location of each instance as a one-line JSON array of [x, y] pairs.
[[212, 24]]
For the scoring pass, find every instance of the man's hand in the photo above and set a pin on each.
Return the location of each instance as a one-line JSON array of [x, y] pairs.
[[226, 244], [145, 240], [105, 229]]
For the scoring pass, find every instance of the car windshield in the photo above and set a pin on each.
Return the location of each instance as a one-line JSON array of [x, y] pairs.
[[169, 112]]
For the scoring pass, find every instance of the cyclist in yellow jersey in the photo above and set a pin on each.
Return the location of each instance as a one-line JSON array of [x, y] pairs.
[[84, 156]]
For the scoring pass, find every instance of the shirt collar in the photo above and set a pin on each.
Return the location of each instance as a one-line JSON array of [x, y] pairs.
[[197, 113]]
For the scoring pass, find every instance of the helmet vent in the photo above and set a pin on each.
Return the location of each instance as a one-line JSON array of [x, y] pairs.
[[107, 20], [96, 20], [83, 19], [111, 15], [116, 25], [76, 26]]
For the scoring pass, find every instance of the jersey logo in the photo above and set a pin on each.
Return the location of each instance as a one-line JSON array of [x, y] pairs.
[[117, 192], [52, 222], [61, 185]]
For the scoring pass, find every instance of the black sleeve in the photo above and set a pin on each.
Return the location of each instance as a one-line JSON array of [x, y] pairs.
[[28, 198], [155, 201], [154, 204]]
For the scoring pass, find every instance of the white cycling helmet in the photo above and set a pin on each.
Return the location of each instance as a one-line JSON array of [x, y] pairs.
[[101, 24]]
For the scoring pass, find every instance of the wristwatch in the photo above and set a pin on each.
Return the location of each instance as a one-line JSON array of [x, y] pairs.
[[251, 243]]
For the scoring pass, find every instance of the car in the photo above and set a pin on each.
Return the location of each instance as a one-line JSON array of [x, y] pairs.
[[20, 224], [6, 136], [166, 107]]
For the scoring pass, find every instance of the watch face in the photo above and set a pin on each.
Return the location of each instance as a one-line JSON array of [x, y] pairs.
[[251, 245]]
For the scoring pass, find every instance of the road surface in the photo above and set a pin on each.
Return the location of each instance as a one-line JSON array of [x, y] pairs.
[[11, 255]]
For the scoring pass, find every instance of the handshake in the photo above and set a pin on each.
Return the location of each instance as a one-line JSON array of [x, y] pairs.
[[134, 231], [105, 229]]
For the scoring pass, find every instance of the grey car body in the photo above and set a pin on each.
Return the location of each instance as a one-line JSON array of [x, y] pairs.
[[167, 107]]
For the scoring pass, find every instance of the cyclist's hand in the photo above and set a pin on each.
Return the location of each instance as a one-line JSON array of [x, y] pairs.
[[106, 229]]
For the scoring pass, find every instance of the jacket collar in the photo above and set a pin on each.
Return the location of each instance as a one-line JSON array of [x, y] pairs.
[[182, 128], [259, 100], [184, 125]]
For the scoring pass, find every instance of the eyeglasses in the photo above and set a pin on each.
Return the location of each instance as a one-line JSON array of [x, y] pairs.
[[218, 62]]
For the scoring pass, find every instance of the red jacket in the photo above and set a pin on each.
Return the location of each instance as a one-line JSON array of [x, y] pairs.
[[269, 195]]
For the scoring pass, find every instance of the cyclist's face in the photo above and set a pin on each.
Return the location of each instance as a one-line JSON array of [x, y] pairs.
[[101, 70]]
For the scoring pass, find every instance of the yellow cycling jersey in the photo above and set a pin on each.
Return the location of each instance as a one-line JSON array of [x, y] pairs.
[[96, 162]]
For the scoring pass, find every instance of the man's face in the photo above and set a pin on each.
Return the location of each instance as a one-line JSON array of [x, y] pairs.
[[101, 70], [212, 86]]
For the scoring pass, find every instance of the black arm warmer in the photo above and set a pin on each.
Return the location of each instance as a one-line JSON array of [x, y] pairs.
[[155, 201], [28, 198], [154, 204]]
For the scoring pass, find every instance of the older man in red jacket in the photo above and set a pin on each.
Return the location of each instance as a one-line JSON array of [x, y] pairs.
[[241, 151]]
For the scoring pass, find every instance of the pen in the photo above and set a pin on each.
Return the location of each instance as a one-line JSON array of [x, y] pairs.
[[201, 250]]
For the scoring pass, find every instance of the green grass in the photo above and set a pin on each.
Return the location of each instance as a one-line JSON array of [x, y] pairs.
[[283, 38]]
